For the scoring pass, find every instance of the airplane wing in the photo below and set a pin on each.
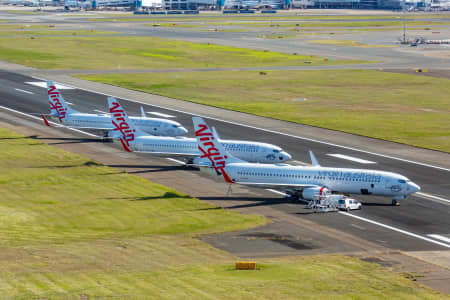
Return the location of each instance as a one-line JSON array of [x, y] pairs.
[[283, 186], [49, 123], [127, 148], [92, 128]]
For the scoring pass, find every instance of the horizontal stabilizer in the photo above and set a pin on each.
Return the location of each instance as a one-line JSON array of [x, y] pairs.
[[45, 120]]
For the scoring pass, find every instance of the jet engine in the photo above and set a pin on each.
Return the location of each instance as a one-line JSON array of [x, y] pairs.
[[113, 134], [308, 193]]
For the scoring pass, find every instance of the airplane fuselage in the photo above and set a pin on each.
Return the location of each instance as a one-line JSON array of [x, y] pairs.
[[153, 126], [246, 150], [354, 181]]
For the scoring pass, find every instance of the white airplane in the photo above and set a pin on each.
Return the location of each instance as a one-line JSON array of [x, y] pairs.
[[305, 182], [62, 112], [134, 139]]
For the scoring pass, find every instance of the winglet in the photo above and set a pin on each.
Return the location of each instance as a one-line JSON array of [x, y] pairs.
[[314, 161], [143, 112], [125, 146], [215, 133], [45, 120]]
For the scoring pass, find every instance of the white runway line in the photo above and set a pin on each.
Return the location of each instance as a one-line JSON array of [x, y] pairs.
[[432, 197], [102, 112], [43, 84], [23, 91], [160, 114], [271, 131], [176, 160], [53, 123], [359, 160], [439, 237], [70, 103], [301, 163], [277, 192], [396, 229]]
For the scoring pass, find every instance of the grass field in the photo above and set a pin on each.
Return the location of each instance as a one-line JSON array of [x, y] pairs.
[[53, 32], [73, 229], [141, 52], [397, 107]]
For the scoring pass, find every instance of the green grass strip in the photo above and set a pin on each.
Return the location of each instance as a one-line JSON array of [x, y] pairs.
[[141, 52], [54, 32], [52, 195]]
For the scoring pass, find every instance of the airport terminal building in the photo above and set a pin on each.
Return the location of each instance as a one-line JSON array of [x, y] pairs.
[[283, 4]]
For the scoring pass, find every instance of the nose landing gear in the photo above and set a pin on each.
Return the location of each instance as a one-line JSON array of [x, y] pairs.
[[395, 201]]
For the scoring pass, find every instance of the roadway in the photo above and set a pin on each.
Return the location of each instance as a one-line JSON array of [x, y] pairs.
[[421, 223]]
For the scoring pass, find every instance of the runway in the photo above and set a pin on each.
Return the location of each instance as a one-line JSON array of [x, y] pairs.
[[421, 223]]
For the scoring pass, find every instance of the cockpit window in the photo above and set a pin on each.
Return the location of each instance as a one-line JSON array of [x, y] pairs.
[[276, 151], [401, 181], [175, 126]]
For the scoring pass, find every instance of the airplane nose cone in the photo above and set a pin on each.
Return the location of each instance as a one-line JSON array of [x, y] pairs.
[[285, 156], [413, 187], [181, 131]]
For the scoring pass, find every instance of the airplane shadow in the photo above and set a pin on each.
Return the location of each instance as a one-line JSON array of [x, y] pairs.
[[375, 204], [85, 164], [256, 201], [167, 195], [68, 140], [21, 137], [149, 168]]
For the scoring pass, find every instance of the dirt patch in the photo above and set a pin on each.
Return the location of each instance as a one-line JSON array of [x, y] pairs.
[[410, 266], [286, 240]]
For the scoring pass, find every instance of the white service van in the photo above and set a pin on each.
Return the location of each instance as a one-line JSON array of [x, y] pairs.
[[346, 203]]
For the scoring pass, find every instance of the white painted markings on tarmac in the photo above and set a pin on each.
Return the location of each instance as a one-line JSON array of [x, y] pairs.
[[176, 160], [43, 84], [299, 163], [439, 237], [160, 114], [355, 159], [277, 192], [100, 111], [23, 91], [397, 230], [423, 195]]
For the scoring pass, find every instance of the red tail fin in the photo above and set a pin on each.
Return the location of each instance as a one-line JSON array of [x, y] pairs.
[[45, 121]]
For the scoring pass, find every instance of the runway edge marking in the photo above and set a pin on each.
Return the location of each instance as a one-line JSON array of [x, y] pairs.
[[351, 158], [267, 130], [439, 237], [431, 196], [396, 229]]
